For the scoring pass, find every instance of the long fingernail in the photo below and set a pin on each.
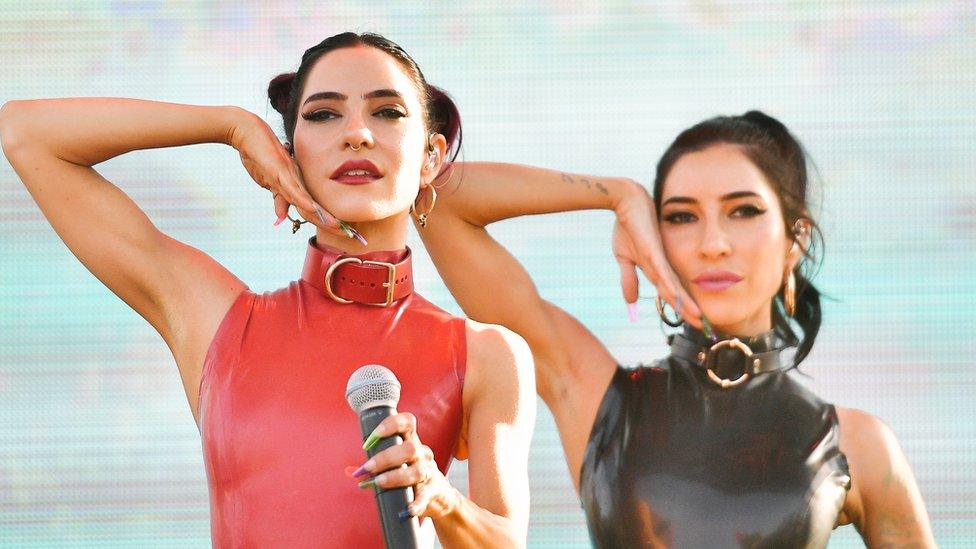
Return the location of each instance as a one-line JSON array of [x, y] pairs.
[[677, 304], [709, 333], [371, 441], [369, 483], [318, 212], [632, 311], [405, 515], [280, 219], [352, 233], [362, 471]]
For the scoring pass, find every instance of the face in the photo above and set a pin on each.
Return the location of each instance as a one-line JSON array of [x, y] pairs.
[[361, 98], [723, 233]]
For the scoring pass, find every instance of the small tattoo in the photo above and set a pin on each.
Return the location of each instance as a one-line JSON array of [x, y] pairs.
[[567, 178], [585, 182], [601, 188]]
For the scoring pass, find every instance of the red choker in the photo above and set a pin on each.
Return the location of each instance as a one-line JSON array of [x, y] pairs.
[[372, 278]]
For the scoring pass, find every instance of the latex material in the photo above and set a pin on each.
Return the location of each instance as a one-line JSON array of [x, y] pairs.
[[676, 461], [277, 432]]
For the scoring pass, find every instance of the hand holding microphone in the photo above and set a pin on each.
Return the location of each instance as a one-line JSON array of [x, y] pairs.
[[400, 468]]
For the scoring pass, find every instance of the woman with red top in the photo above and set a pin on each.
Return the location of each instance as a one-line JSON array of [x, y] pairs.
[[265, 375]]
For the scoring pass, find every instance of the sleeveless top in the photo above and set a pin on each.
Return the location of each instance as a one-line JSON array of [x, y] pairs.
[[278, 434], [675, 460]]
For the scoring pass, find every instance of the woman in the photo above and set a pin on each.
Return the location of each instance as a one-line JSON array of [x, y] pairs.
[[715, 445], [265, 375]]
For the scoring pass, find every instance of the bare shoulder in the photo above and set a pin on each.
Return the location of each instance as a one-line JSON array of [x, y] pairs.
[[497, 355], [884, 501]]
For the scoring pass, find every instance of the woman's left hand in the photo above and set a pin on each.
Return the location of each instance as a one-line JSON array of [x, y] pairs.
[[411, 464]]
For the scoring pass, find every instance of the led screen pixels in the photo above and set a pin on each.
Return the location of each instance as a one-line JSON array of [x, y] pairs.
[[97, 445]]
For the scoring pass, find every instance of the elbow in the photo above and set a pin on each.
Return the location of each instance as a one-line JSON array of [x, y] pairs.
[[11, 127]]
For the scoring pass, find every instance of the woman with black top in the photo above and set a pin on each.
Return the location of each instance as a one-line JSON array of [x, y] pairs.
[[715, 445]]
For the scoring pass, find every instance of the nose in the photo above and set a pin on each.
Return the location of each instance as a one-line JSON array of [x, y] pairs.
[[357, 134], [715, 242]]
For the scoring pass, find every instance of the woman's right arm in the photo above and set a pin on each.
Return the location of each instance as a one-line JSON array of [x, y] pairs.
[[53, 144]]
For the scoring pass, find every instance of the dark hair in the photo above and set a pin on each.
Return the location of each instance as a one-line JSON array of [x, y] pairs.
[[440, 112], [782, 160]]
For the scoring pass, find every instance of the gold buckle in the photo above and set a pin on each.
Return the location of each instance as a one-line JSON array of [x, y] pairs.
[[735, 343], [390, 278]]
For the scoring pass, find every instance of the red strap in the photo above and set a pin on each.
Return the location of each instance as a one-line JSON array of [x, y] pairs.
[[358, 278]]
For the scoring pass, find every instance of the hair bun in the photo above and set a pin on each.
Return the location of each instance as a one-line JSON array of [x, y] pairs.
[[279, 91]]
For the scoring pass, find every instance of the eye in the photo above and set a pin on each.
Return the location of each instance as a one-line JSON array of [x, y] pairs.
[[747, 211], [391, 113], [321, 114], [678, 218]]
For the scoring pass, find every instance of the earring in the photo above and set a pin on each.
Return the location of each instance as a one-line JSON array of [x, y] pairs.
[[789, 294], [422, 217], [664, 317]]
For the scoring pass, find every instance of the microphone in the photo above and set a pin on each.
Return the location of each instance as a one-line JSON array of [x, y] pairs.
[[373, 392]]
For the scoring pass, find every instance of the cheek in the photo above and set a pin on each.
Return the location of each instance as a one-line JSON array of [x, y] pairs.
[[678, 248]]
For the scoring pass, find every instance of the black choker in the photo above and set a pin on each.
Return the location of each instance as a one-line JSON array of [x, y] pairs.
[[730, 361]]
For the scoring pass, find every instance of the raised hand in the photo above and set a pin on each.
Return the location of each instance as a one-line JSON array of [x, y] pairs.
[[270, 165], [637, 243]]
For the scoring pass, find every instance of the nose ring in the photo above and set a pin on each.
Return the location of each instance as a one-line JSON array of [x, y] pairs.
[[355, 148]]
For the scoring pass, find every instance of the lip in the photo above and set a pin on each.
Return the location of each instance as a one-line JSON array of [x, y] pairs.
[[365, 165], [717, 281]]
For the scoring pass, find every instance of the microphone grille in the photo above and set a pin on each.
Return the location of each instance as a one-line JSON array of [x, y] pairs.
[[371, 386]]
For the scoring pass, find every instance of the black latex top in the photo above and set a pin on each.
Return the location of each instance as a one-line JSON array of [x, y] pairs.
[[675, 460]]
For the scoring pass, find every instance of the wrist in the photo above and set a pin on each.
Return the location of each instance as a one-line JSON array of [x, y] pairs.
[[623, 190], [235, 122]]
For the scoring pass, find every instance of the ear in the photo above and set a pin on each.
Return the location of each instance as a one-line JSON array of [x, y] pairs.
[[435, 152], [799, 243]]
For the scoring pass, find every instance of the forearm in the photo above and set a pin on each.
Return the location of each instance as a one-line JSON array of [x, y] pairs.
[[488, 192], [87, 131], [468, 525]]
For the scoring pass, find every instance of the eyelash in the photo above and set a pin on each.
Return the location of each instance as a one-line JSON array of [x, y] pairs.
[[324, 114], [680, 218]]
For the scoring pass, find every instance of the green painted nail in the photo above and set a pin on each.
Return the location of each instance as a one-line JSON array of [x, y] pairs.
[[371, 441], [371, 483], [708, 328]]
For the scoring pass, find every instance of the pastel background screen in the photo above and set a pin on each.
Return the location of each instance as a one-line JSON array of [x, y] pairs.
[[97, 444]]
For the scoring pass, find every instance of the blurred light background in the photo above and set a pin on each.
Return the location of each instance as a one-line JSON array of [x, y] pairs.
[[97, 444]]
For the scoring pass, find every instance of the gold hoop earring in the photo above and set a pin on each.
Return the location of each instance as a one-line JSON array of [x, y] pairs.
[[664, 317], [422, 217], [789, 294]]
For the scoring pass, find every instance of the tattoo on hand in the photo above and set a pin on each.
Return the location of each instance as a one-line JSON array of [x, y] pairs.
[[601, 188], [567, 178]]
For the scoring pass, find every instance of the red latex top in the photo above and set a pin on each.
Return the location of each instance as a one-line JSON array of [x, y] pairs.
[[277, 432]]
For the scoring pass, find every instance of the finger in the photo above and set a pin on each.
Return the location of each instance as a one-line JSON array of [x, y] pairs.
[[628, 279], [406, 452], [403, 423], [409, 475], [281, 208]]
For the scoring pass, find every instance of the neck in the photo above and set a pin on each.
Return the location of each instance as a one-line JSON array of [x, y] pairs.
[[383, 234], [757, 324]]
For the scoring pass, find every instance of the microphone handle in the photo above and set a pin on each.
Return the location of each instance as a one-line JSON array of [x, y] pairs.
[[397, 534]]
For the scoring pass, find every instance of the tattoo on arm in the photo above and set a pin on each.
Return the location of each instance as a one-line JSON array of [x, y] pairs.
[[589, 184]]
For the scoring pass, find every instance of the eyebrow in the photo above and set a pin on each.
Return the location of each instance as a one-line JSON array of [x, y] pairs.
[[690, 200], [342, 97]]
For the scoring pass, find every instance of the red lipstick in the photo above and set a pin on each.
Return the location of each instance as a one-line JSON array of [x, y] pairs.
[[356, 172], [716, 281]]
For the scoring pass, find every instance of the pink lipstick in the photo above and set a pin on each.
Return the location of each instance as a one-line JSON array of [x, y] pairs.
[[717, 281]]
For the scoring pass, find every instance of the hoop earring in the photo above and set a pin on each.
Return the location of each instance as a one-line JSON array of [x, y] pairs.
[[422, 217], [789, 294], [664, 317]]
